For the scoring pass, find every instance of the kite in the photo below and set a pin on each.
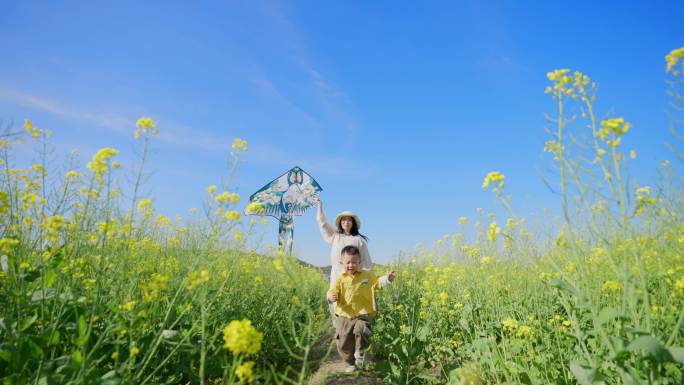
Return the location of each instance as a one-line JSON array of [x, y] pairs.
[[286, 196]]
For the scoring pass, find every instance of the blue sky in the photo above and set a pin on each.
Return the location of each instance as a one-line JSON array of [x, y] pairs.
[[397, 109]]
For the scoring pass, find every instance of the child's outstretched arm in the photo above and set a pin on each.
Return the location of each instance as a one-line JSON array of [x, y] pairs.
[[387, 279]]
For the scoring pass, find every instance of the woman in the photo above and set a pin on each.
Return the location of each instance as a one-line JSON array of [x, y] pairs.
[[345, 232]]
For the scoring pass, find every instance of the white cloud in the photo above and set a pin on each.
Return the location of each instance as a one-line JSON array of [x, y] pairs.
[[113, 121], [331, 98], [172, 133], [335, 166], [267, 88]]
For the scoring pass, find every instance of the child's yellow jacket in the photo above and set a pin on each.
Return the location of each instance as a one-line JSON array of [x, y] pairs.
[[356, 293]]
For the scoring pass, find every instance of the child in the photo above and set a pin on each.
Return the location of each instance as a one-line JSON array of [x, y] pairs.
[[354, 292]]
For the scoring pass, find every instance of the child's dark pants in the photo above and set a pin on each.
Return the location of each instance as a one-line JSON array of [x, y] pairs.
[[352, 336]]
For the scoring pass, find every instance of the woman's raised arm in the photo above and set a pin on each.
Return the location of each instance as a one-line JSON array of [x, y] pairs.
[[327, 231]]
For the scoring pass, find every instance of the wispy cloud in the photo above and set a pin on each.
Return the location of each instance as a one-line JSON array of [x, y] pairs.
[[112, 121], [334, 166], [498, 63], [172, 133], [188, 137], [266, 87], [334, 102]]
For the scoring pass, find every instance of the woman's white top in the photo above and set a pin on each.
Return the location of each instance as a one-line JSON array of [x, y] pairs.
[[337, 242]]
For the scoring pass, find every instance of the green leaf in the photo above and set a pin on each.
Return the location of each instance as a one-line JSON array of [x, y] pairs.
[[395, 369], [30, 276], [584, 375], [82, 326], [50, 276], [4, 264], [5, 355], [423, 333], [54, 338], [564, 285], [35, 350], [82, 331], [27, 322], [607, 314], [677, 353], [405, 351], [110, 378], [77, 357], [42, 294], [652, 347]]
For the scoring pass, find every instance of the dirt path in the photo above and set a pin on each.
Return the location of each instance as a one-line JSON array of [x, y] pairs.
[[331, 369]]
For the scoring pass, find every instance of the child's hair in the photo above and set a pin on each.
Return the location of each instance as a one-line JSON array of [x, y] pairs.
[[350, 250]]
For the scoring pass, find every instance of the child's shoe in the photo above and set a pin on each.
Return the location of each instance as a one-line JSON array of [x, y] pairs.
[[360, 358], [350, 368]]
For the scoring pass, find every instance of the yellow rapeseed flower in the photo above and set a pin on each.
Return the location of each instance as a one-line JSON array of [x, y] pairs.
[[163, 221], [278, 264], [211, 189], [494, 231], [99, 164], [196, 279], [254, 208], [644, 199], [562, 83], [494, 178], [241, 337], [145, 125], [672, 59], [153, 287], [612, 130], [557, 74], [4, 202], [552, 146], [463, 220], [144, 204], [31, 130], [134, 351], [128, 306], [245, 372], [54, 225], [7, 245], [524, 332], [239, 145], [469, 374], [232, 215], [226, 197], [72, 174], [611, 286], [509, 324], [678, 286]]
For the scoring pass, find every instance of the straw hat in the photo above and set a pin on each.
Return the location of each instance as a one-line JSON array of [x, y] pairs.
[[343, 214]]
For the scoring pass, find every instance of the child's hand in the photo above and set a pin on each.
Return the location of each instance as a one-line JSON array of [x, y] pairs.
[[391, 276], [332, 297]]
